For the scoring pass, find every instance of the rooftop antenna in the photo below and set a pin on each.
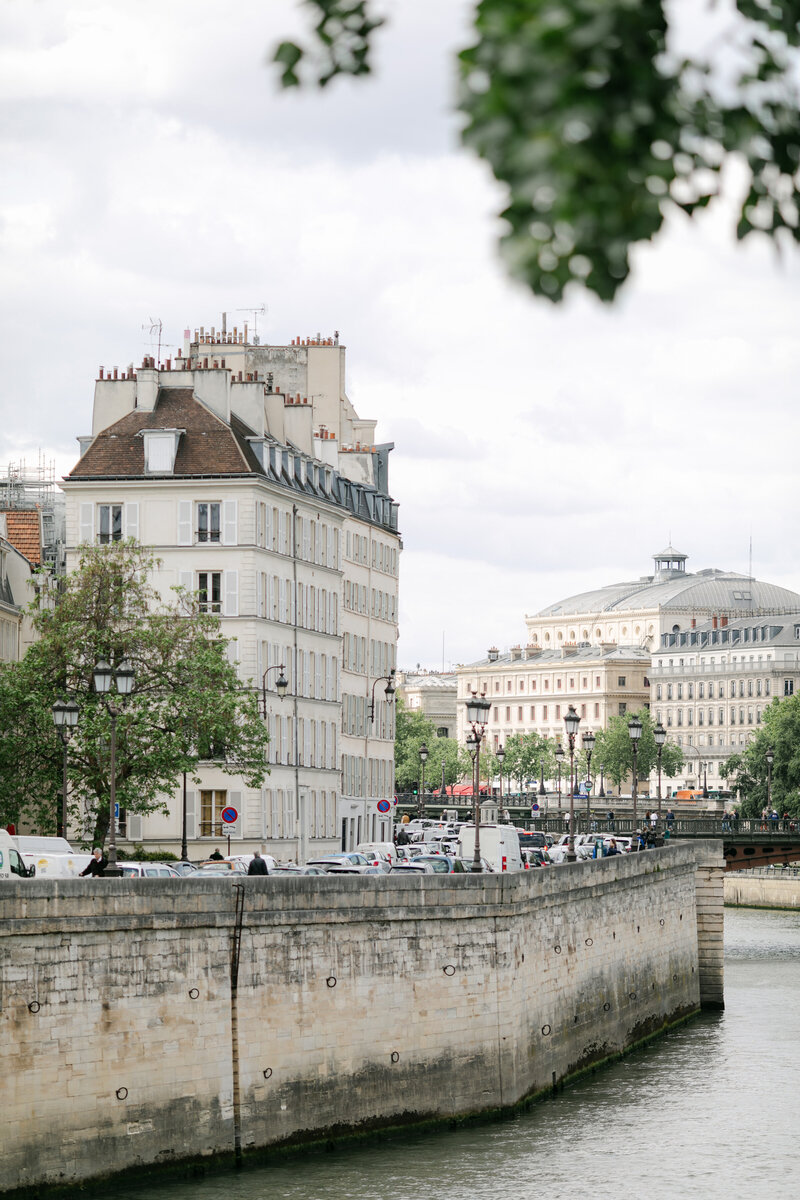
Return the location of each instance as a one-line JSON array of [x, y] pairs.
[[257, 312], [155, 326]]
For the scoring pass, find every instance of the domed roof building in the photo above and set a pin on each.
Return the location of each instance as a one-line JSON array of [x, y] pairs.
[[671, 600]]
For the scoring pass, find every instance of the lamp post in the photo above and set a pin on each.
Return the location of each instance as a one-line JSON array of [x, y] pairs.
[[588, 740], [500, 755], [571, 723], [443, 793], [660, 734], [634, 732], [602, 791], [559, 753], [122, 678], [477, 717], [705, 781], [770, 757], [389, 691], [281, 686], [423, 758], [65, 718]]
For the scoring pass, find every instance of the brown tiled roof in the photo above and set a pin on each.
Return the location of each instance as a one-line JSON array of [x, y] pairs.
[[23, 528], [209, 445]]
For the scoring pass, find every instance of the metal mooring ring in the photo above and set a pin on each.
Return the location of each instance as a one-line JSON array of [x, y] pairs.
[[34, 1006], [606, 1006], [331, 981], [267, 1072], [122, 1093], [395, 1056], [449, 969], [557, 949], [589, 942], [631, 995], [193, 993], [546, 1030], [661, 922]]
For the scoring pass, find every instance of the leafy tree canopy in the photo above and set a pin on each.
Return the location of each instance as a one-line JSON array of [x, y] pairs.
[[526, 754], [412, 730], [747, 772], [614, 750], [596, 124], [187, 703]]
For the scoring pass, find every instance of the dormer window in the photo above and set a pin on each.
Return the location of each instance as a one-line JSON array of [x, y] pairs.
[[160, 448]]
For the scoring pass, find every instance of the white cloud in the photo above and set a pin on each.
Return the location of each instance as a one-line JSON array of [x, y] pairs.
[[153, 169]]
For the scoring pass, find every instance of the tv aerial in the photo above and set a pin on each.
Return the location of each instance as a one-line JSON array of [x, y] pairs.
[[256, 313]]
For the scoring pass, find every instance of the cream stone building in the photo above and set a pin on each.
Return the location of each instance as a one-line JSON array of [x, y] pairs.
[[531, 689], [638, 612], [434, 695], [268, 503], [711, 684]]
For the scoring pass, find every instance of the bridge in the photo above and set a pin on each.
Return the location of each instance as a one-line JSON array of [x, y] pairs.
[[746, 842]]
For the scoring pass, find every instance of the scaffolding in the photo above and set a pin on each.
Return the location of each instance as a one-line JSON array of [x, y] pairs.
[[34, 488]]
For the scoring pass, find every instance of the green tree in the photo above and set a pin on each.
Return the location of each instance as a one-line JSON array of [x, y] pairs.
[[596, 127], [526, 755], [187, 703], [747, 771], [614, 750]]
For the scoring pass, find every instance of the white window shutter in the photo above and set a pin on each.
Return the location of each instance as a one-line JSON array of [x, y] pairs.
[[232, 653], [134, 827], [132, 520], [229, 530], [87, 523], [191, 814], [231, 593], [259, 510], [235, 800], [184, 522]]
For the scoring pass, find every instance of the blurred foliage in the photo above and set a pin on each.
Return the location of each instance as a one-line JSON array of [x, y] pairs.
[[595, 127], [614, 750]]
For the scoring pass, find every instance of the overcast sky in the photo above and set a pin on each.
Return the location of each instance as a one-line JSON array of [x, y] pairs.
[[151, 168]]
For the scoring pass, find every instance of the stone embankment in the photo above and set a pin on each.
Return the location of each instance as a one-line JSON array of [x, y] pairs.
[[130, 1040], [767, 889]]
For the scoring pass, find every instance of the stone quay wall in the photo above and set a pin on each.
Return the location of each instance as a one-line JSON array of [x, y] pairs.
[[360, 1003], [762, 891]]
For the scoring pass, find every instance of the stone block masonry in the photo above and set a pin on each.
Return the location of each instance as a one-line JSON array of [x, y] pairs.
[[360, 1003]]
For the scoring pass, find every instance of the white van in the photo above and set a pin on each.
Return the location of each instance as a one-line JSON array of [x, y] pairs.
[[12, 864], [499, 846]]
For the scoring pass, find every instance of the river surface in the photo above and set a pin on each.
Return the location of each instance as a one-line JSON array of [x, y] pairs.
[[708, 1111]]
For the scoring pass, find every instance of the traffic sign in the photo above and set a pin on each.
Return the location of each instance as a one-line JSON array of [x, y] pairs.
[[534, 808], [229, 816], [384, 806], [116, 811]]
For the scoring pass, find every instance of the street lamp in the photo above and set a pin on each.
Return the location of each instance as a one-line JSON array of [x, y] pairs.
[[443, 793], [281, 685], [660, 734], [500, 755], [477, 717], [423, 758], [770, 757], [571, 723], [389, 691], [559, 753], [65, 718], [588, 740], [634, 732], [122, 678], [602, 790]]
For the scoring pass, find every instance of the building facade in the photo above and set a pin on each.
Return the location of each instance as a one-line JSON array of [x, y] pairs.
[[711, 685], [434, 695], [268, 506]]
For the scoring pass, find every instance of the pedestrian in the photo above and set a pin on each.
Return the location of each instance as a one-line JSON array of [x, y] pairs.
[[612, 848], [257, 865], [610, 820], [670, 818], [217, 857], [97, 863], [653, 819]]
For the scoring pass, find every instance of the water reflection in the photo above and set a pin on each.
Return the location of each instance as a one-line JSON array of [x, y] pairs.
[[707, 1111]]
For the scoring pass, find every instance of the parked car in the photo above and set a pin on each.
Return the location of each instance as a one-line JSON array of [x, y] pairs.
[[443, 864], [292, 869], [148, 870], [184, 868], [416, 867], [226, 867], [350, 859]]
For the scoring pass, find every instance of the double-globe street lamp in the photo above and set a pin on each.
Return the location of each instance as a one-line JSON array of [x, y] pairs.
[[635, 733], [660, 734], [500, 755], [65, 718], [559, 753], [571, 723], [423, 758], [477, 718], [122, 678], [770, 757], [588, 740]]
